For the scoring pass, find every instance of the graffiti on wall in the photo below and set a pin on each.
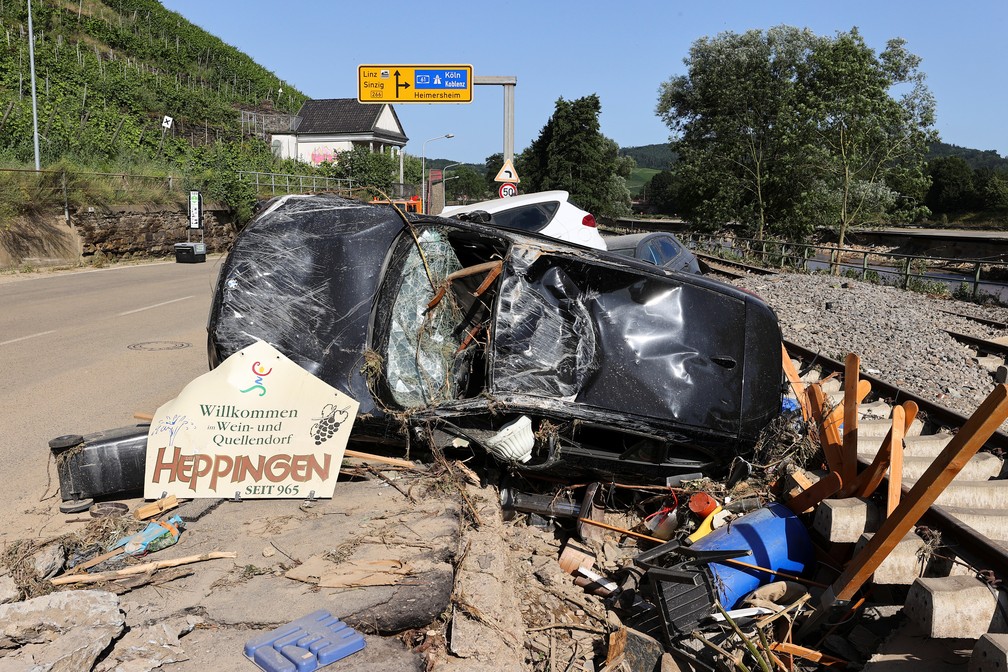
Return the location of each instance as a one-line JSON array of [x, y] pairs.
[[322, 154]]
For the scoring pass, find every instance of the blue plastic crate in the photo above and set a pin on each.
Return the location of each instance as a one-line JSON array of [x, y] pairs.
[[304, 645]]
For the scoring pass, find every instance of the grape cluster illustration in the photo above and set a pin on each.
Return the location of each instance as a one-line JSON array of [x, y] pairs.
[[326, 426]]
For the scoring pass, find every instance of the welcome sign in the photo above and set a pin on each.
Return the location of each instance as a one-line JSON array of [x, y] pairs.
[[258, 425]]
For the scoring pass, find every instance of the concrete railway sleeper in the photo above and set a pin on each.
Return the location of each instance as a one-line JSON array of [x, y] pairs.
[[952, 561]]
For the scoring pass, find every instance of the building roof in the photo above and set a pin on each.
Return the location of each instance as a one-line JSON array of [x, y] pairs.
[[341, 116]]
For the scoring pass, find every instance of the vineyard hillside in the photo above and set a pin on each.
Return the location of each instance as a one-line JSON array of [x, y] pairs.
[[108, 72]]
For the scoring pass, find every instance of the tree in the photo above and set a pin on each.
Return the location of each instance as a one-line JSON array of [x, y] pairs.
[[572, 154], [869, 144], [783, 131], [662, 194], [991, 188], [365, 168], [735, 125], [466, 185], [951, 185]]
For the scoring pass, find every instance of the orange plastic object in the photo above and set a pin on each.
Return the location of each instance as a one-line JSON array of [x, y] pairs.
[[702, 504]]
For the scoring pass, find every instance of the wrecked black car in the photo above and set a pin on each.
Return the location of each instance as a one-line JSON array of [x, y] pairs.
[[542, 352]]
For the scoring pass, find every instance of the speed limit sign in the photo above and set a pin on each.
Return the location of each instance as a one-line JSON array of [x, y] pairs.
[[507, 189]]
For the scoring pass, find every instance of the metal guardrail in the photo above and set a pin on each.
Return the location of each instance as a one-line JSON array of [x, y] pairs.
[[903, 270]]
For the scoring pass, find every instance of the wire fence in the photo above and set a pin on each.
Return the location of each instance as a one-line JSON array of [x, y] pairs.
[[290, 183], [965, 278], [273, 184]]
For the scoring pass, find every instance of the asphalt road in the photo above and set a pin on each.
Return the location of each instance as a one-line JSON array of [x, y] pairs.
[[80, 352]]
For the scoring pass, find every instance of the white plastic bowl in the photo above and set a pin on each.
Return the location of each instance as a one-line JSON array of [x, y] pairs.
[[514, 441]]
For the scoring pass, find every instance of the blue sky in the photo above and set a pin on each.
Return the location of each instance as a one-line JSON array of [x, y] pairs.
[[621, 51]]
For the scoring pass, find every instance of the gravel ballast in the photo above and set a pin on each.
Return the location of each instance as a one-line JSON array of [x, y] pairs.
[[899, 335]]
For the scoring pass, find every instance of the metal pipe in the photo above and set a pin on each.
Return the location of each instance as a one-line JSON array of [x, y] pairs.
[[31, 58]]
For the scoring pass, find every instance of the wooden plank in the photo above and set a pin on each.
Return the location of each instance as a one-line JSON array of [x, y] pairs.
[[868, 480], [829, 427], [141, 569], [807, 654], [963, 446], [825, 487], [852, 371], [895, 461], [155, 508], [796, 383], [829, 440]]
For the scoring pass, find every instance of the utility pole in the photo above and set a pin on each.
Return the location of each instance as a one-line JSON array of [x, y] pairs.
[[31, 58]]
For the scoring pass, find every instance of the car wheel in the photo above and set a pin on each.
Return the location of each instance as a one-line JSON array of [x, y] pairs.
[[65, 441], [75, 505]]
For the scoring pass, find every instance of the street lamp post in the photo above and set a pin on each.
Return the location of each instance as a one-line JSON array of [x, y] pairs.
[[31, 58], [445, 178], [423, 168]]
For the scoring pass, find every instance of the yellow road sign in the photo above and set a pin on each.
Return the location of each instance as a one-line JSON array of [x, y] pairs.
[[414, 83]]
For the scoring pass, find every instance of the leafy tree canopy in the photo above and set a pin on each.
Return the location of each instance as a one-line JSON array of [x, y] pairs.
[[572, 154], [784, 131]]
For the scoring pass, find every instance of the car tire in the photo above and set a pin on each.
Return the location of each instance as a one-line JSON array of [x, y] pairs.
[[65, 441], [75, 505]]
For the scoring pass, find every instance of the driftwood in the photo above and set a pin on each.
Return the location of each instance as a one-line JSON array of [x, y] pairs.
[[141, 569]]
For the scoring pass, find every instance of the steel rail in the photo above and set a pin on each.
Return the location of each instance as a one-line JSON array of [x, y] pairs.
[[973, 547]]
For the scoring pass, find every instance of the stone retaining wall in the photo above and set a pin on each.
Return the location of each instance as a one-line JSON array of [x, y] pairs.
[[149, 231], [110, 233]]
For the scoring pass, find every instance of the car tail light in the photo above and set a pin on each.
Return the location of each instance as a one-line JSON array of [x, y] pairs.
[[589, 220]]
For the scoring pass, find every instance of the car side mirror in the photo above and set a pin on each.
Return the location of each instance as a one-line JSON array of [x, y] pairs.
[[476, 217]]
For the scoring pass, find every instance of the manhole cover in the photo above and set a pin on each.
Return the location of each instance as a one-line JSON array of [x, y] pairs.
[[153, 346]]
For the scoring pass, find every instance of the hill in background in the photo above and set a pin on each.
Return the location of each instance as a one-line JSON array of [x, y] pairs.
[[109, 71], [657, 157], [975, 158]]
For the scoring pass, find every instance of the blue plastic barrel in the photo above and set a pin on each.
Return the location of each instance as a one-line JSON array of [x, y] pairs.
[[777, 540]]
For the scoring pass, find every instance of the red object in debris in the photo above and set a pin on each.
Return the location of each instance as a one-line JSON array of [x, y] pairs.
[[702, 504]]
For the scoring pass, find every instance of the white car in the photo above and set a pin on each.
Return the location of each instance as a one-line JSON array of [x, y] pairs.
[[548, 213]]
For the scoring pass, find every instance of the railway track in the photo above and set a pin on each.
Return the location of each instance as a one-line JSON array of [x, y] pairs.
[[962, 543], [956, 559]]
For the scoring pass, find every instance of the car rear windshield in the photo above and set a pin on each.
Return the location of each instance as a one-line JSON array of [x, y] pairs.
[[533, 217]]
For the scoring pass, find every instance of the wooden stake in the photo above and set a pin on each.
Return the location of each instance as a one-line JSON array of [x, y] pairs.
[[155, 508], [895, 461], [368, 457], [796, 383], [852, 370], [868, 480], [829, 438], [963, 446], [141, 569], [807, 654]]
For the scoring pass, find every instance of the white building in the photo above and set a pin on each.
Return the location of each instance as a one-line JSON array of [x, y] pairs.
[[322, 128]]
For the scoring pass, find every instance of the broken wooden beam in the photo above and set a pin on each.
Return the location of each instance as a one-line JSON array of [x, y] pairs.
[[141, 569], [796, 384], [868, 481], [849, 464], [895, 461], [963, 446]]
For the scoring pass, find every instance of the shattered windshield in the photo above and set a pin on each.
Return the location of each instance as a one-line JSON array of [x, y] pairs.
[[422, 345]]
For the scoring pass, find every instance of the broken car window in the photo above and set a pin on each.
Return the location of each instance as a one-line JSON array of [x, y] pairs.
[[422, 345]]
